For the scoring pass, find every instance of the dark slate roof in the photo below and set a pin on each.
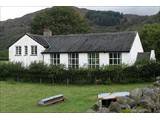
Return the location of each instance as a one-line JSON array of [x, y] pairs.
[[92, 42], [42, 40], [143, 56]]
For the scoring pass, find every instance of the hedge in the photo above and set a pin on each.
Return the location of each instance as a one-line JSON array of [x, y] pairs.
[[42, 73]]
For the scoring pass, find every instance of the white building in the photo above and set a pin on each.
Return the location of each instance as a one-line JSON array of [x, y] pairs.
[[79, 50]]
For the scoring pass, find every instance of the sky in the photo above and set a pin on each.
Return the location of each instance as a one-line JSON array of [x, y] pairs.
[[14, 12], [10, 9]]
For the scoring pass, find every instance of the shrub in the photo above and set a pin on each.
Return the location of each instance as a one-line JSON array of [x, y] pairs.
[[40, 72]]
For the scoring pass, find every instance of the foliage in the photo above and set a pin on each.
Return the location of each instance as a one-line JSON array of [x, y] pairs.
[[104, 18], [150, 36], [42, 73], [60, 20], [3, 55]]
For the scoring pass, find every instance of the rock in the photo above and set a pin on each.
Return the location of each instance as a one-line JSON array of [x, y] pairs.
[[158, 78], [104, 110], [115, 107], [147, 91], [126, 102], [125, 106], [157, 83], [136, 93], [147, 103]]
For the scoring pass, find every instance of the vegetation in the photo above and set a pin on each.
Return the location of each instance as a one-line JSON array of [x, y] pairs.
[[60, 20], [150, 35], [3, 55], [98, 21], [23, 97], [41, 73], [104, 18]]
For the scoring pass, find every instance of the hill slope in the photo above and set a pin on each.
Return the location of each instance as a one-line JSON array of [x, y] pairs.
[[12, 29]]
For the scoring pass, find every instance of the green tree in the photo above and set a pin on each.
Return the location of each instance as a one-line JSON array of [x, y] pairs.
[[104, 18], [150, 35], [60, 20]]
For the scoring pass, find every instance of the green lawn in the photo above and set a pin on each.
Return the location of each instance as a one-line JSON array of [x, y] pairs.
[[23, 97]]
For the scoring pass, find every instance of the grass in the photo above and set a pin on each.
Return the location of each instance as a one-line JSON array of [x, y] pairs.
[[23, 97]]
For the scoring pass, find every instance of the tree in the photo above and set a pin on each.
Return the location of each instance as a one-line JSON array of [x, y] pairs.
[[150, 35], [104, 18], [60, 20]]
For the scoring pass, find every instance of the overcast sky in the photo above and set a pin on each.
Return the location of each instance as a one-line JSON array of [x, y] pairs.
[[14, 12]]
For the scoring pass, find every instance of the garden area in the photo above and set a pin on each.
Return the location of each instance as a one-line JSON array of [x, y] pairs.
[[22, 87], [23, 97]]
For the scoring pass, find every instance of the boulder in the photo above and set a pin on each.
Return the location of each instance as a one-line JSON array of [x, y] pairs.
[[147, 91], [125, 106], [115, 107], [104, 110], [126, 101], [136, 94], [147, 103], [157, 83]]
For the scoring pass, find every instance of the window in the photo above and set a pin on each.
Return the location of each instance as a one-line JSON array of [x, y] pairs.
[[55, 59], [93, 60], [33, 50], [25, 50], [18, 50], [73, 59], [115, 58]]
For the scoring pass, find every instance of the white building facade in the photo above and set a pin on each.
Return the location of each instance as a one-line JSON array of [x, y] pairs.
[[29, 49]]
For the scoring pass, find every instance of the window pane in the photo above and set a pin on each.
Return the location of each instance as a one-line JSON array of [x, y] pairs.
[[110, 61], [115, 61]]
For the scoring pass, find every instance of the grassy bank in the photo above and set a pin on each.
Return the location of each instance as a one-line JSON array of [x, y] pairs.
[[23, 97]]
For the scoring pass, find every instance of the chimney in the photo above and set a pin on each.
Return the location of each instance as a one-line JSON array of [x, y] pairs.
[[152, 55], [47, 32]]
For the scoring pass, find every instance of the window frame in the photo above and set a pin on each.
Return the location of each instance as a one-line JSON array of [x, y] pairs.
[[34, 50], [25, 50], [115, 58], [93, 60], [73, 60], [55, 59], [18, 51]]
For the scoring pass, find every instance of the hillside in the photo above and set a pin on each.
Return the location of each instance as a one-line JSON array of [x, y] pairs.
[[12, 29]]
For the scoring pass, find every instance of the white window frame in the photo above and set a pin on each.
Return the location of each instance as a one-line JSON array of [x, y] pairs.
[[93, 60], [115, 58], [34, 50], [25, 50], [18, 50], [55, 59], [73, 57]]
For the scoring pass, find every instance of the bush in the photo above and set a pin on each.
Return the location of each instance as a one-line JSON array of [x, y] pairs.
[[40, 72]]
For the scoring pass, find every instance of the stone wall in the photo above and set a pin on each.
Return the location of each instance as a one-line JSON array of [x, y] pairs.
[[140, 100]]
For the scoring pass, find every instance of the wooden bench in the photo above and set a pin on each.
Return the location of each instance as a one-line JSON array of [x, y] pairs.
[[51, 100]]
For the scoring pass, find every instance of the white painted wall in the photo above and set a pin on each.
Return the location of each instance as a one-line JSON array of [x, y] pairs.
[[152, 55], [136, 47], [64, 59], [130, 58], [25, 59], [103, 59], [83, 60], [46, 58]]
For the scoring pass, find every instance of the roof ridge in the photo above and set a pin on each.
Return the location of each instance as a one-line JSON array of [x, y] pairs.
[[102, 33]]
